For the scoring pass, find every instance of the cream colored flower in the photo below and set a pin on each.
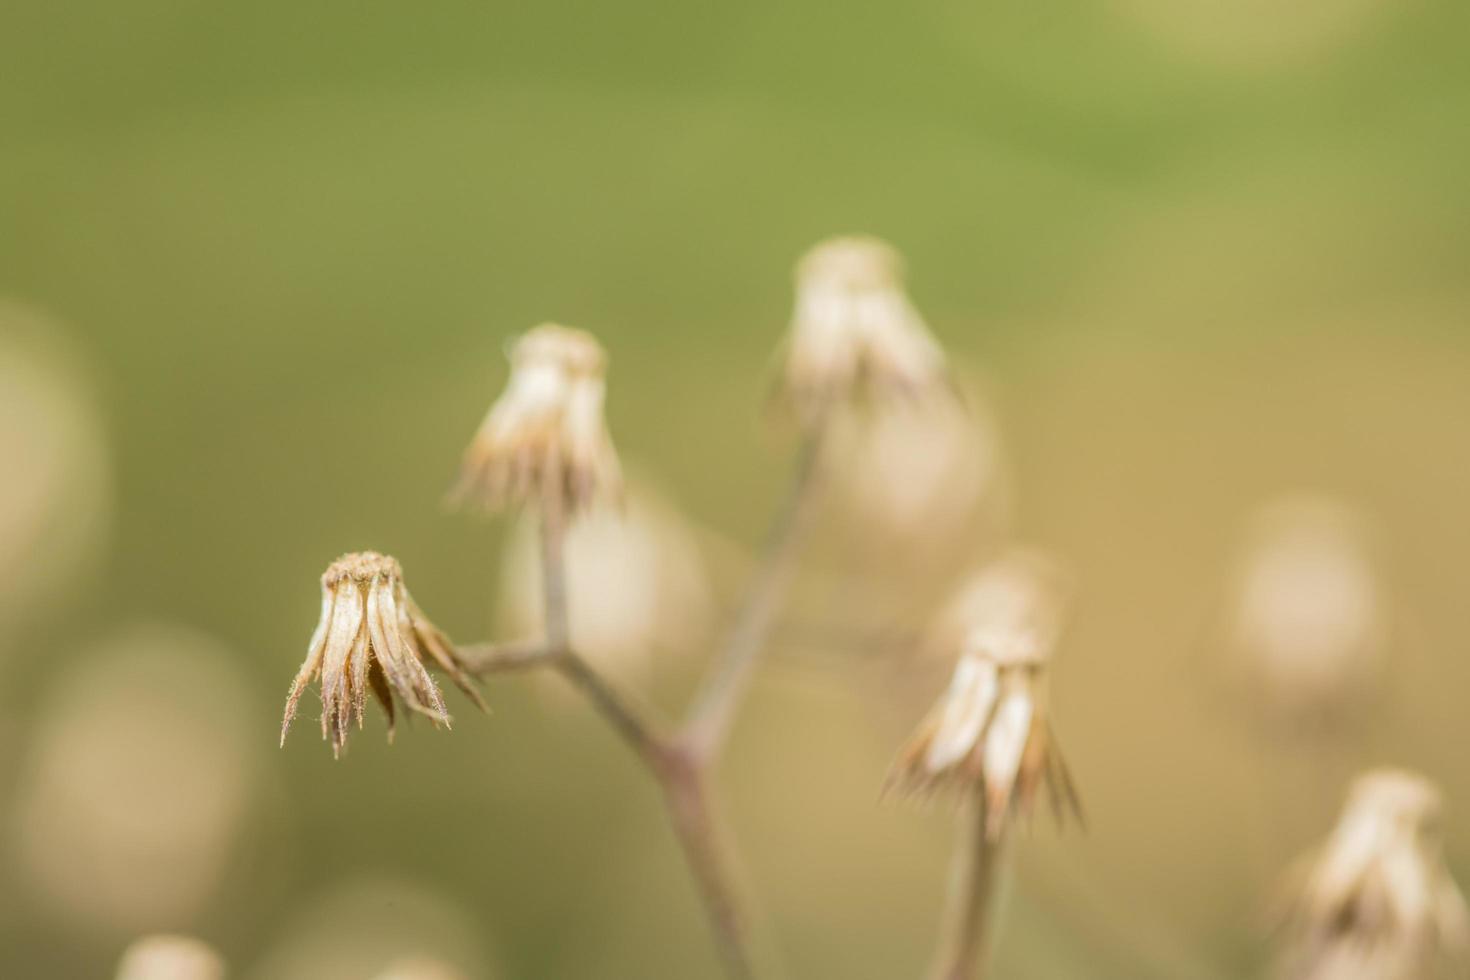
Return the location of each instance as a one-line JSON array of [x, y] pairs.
[[56, 497], [419, 968], [921, 476], [1012, 609], [373, 635], [1310, 618], [165, 957], [854, 330], [636, 584], [139, 782], [1377, 896], [546, 433], [991, 728]]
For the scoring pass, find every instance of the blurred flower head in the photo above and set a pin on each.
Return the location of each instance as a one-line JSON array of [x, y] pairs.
[[1377, 895], [55, 497], [990, 730], [165, 957], [379, 928], [372, 635], [1012, 610], [546, 434], [419, 968], [138, 782], [1309, 617], [919, 476], [854, 331], [636, 583]]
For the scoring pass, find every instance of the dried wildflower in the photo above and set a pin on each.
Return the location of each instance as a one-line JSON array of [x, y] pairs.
[[546, 433], [854, 330], [372, 634], [1377, 900], [1013, 607], [918, 477], [991, 730], [165, 957], [1309, 617]]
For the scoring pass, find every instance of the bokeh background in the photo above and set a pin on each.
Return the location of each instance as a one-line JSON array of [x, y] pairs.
[[259, 264]]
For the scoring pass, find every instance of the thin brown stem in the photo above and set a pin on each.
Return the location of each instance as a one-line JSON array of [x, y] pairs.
[[680, 777], [554, 569], [696, 824], [630, 722], [502, 658], [974, 879], [709, 720]]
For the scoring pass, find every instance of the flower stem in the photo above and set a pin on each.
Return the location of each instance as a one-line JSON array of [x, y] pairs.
[[501, 658], [709, 720], [974, 879], [680, 776], [697, 826]]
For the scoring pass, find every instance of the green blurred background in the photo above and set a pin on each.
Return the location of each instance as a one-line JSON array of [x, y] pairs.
[[267, 258]]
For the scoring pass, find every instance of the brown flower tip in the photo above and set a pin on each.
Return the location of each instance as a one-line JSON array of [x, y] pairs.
[[1376, 900], [990, 732], [373, 635], [854, 331], [545, 437]]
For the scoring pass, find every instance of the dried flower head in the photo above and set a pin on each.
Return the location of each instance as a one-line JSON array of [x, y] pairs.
[[546, 433], [990, 730], [854, 330], [1310, 619], [1377, 899], [919, 477], [166, 957], [1013, 609], [373, 635]]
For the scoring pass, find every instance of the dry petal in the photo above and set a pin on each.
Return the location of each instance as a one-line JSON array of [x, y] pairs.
[[372, 635]]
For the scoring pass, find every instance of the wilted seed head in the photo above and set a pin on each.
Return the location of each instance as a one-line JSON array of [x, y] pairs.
[[373, 635], [1377, 895], [546, 433], [1310, 617], [990, 730], [854, 331], [166, 957], [1011, 610]]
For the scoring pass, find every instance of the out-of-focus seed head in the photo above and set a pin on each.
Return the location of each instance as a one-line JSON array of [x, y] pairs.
[[854, 331], [372, 635], [990, 730], [546, 434], [1377, 895], [1010, 612], [637, 584], [165, 957], [921, 479], [1310, 619], [419, 968]]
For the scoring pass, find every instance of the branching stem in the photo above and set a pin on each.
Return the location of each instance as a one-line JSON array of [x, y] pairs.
[[708, 723], [679, 761]]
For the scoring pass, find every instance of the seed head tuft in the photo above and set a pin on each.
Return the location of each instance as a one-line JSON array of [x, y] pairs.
[[1376, 900], [546, 433], [372, 635], [854, 331]]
